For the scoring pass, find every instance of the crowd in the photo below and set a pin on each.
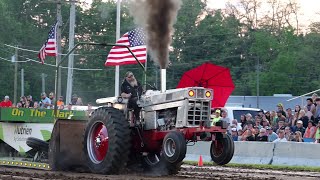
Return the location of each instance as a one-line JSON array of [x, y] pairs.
[[45, 102], [300, 124]]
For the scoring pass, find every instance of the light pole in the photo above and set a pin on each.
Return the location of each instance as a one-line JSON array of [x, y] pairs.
[[258, 80]]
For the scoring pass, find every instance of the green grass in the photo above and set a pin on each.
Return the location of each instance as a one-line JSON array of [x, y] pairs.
[[260, 166]]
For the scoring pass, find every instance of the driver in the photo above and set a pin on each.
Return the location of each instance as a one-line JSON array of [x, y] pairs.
[[132, 89]]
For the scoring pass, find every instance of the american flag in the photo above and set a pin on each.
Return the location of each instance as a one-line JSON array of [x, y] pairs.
[[136, 41], [49, 48]]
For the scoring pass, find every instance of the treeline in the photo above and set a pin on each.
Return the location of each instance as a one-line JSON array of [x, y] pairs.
[[235, 37]]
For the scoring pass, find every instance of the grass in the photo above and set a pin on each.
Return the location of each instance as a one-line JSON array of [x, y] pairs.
[[261, 166]]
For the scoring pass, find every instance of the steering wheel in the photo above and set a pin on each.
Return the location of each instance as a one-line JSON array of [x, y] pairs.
[[152, 87]]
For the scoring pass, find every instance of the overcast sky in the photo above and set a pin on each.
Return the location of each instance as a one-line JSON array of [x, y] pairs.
[[309, 9]]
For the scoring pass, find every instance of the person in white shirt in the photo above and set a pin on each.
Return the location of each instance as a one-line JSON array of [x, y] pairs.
[[281, 137]]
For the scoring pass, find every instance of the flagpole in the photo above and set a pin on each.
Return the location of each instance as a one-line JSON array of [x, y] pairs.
[[117, 71]]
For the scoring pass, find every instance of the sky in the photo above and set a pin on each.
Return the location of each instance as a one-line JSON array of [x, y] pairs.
[[309, 9]]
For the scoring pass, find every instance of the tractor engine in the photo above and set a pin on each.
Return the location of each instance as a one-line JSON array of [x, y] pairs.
[[177, 108]]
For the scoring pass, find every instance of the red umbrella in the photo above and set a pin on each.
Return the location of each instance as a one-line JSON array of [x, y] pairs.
[[211, 76]]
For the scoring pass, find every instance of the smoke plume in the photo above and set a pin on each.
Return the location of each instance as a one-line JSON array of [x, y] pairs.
[[157, 18]]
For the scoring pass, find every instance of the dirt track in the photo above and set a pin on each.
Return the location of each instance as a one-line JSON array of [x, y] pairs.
[[186, 172]]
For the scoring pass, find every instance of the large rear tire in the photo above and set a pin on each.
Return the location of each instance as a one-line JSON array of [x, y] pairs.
[[222, 149], [107, 141], [169, 160]]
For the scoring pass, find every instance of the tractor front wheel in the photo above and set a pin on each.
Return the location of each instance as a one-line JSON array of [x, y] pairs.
[[222, 149], [169, 160], [107, 141]]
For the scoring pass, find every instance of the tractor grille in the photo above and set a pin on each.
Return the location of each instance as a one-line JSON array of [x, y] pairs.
[[199, 111]]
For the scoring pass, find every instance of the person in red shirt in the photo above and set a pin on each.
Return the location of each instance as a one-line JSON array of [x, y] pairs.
[[6, 102]]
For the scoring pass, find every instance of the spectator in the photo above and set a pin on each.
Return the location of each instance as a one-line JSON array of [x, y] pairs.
[[317, 112], [74, 99], [19, 105], [279, 116], [305, 119], [262, 136], [234, 134], [290, 117], [249, 121], [243, 120], [314, 97], [60, 102], [271, 135], [246, 132], [6, 102], [317, 135], [69, 106], [79, 102], [45, 101], [61, 107], [273, 118], [281, 108], [36, 105], [299, 127], [279, 126], [240, 133], [310, 130], [236, 125], [224, 116], [23, 101], [268, 117], [265, 123], [258, 122], [256, 131], [90, 110], [287, 133], [216, 117], [298, 137], [52, 99], [250, 136], [281, 137], [30, 101], [310, 108]]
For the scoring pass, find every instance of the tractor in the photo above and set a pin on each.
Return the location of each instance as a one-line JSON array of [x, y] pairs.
[[170, 120]]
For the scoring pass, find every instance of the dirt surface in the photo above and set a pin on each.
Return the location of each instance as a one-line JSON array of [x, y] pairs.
[[187, 172]]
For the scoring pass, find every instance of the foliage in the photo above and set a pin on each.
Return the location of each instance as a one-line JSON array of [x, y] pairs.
[[288, 61]]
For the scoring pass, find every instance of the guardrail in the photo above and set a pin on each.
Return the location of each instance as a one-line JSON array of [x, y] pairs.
[[281, 153]]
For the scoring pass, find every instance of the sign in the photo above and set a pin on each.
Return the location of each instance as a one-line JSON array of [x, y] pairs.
[[16, 134], [36, 115]]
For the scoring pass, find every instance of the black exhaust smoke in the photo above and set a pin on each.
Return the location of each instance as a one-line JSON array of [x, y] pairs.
[[157, 18]]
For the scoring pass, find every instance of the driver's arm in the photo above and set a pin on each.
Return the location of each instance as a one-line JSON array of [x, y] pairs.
[[124, 92], [125, 95]]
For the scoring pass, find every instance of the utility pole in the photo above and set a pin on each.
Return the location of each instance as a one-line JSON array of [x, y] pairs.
[[22, 82], [117, 71], [43, 80], [258, 81], [71, 56], [58, 58], [15, 86]]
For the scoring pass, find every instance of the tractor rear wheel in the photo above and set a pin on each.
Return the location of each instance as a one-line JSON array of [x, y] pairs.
[[107, 141], [169, 160], [222, 149]]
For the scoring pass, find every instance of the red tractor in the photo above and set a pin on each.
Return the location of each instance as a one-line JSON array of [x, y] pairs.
[[170, 120]]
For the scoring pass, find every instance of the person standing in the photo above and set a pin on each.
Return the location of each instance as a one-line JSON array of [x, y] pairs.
[[30, 101], [60, 102], [6, 102], [45, 102]]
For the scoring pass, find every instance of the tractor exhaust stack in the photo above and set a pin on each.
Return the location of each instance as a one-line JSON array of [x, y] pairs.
[[163, 80]]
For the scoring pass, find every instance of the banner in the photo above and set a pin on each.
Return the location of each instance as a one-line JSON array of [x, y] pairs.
[[36, 115], [16, 134]]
